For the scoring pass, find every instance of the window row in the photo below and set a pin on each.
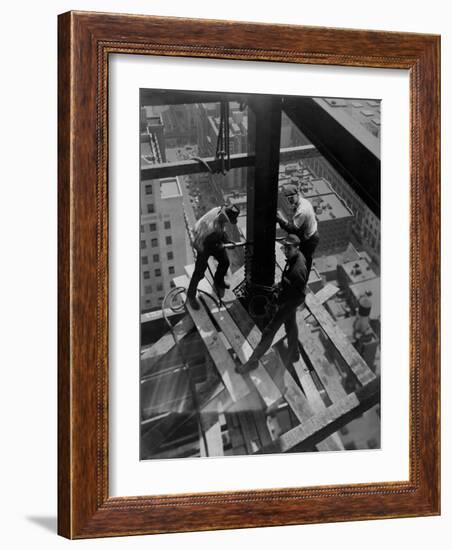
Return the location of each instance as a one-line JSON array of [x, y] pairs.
[[156, 258], [158, 272], [153, 226], [155, 243], [148, 288]]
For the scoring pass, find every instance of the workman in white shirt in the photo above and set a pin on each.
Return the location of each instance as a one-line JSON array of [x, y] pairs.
[[303, 224], [209, 239]]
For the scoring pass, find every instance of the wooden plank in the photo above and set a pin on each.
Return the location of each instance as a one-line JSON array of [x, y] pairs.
[[214, 441], [259, 377], [324, 294], [234, 307], [305, 406], [309, 388], [164, 345], [223, 361], [244, 322], [331, 419], [237, 277], [296, 399], [353, 359], [333, 442], [291, 392], [324, 369], [290, 389]]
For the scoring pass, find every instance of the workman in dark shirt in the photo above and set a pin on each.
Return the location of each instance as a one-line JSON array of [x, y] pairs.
[[209, 238], [290, 295]]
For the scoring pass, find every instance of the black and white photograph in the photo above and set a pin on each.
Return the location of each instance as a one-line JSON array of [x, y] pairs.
[[260, 274]]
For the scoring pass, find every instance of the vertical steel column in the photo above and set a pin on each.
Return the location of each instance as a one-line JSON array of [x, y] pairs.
[[264, 135]]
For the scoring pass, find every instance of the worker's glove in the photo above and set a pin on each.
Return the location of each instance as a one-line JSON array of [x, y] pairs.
[[280, 219], [276, 291]]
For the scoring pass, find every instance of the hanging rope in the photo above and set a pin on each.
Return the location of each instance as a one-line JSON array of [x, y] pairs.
[[223, 154], [223, 148]]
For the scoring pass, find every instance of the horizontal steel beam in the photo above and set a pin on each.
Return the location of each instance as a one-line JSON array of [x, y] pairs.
[[340, 146], [184, 97], [242, 160]]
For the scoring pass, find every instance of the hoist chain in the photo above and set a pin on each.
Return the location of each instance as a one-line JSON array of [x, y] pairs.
[[222, 153]]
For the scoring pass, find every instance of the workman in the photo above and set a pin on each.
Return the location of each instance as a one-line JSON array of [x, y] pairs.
[[303, 224], [290, 294], [209, 239]]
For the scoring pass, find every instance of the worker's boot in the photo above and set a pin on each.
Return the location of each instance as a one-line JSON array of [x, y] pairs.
[[193, 301], [250, 365], [191, 292], [221, 284]]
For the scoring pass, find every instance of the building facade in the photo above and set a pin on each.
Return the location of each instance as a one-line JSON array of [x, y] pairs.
[[164, 244], [365, 225]]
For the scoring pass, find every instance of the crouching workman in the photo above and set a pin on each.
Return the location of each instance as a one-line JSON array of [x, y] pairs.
[[209, 238], [303, 224], [290, 295]]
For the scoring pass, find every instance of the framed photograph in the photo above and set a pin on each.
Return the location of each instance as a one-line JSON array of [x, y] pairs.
[[249, 261]]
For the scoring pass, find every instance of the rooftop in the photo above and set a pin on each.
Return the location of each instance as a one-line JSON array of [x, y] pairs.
[[169, 188], [150, 151], [374, 287], [358, 271], [361, 117], [329, 207], [236, 198], [316, 187], [238, 125], [325, 264], [314, 276], [155, 120]]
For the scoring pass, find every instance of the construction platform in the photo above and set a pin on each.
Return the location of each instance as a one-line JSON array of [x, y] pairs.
[[193, 403]]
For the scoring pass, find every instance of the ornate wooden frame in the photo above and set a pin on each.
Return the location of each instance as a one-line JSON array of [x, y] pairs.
[[85, 42]]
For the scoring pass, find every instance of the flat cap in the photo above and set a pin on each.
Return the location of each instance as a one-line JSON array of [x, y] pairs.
[[232, 212], [292, 240], [290, 189]]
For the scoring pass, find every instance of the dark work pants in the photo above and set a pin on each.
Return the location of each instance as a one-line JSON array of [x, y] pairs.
[[308, 247], [286, 313], [202, 259]]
